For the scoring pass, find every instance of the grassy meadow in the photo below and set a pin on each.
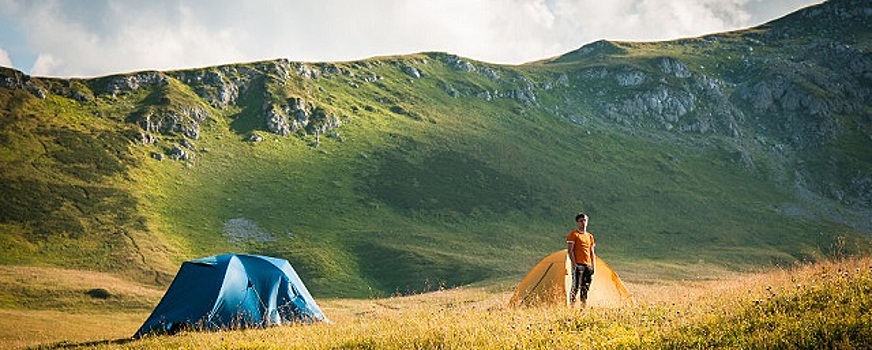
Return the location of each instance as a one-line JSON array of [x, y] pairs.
[[821, 305]]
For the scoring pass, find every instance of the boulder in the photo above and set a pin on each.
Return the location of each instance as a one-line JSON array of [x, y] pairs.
[[413, 72]]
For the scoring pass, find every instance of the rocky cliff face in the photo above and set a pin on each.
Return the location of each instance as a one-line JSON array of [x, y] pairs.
[[793, 93]]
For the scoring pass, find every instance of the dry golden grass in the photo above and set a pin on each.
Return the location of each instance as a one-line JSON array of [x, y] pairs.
[[666, 314], [44, 305], [56, 280], [26, 328]]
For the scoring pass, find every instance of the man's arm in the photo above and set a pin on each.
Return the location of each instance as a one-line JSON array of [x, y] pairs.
[[570, 247], [593, 257]]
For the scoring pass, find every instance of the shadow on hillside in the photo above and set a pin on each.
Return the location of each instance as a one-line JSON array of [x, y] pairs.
[[250, 118], [90, 344]]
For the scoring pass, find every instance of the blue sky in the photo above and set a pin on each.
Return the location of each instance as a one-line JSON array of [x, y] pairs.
[[88, 38]]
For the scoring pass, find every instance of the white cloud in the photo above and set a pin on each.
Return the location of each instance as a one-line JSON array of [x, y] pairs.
[[101, 37], [5, 61], [539, 13], [553, 27], [45, 64], [120, 38]]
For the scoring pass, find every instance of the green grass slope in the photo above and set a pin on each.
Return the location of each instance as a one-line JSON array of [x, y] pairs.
[[412, 173], [66, 197]]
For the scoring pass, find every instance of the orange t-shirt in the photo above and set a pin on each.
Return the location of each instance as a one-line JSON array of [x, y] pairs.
[[583, 245]]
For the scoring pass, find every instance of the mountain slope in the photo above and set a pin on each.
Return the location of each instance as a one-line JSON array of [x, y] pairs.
[[403, 174]]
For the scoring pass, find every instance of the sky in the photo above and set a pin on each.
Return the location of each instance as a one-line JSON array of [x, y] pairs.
[[87, 38]]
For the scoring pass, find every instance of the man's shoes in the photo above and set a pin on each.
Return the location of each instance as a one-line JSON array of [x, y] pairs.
[[578, 304]]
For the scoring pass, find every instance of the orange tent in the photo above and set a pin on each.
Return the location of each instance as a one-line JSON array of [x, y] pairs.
[[549, 282]]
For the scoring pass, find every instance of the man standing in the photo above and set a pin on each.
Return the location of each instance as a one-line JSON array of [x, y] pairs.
[[580, 247]]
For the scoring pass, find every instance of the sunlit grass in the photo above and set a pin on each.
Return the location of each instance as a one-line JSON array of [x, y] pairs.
[[824, 305], [45, 305]]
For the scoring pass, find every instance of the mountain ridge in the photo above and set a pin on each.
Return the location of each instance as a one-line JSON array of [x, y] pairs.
[[392, 174]]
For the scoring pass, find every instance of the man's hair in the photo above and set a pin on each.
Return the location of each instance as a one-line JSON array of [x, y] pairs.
[[579, 216]]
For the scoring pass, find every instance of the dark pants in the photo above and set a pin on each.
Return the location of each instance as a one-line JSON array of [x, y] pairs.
[[582, 275]]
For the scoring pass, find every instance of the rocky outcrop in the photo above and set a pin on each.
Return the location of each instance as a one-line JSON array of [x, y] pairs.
[[307, 72], [663, 105], [221, 87], [337, 70], [671, 97], [674, 67], [178, 153], [118, 84], [172, 121], [458, 63], [798, 102], [12, 79], [629, 77], [294, 114], [413, 72], [41, 87]]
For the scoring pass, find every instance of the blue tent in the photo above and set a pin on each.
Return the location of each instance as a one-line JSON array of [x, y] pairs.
[[233, 291]]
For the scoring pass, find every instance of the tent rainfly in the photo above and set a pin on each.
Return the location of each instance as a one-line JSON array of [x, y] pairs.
[[549, 282], [233, 291]]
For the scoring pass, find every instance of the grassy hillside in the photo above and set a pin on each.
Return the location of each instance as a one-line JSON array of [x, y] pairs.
[[65, 189], [405, 174]]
